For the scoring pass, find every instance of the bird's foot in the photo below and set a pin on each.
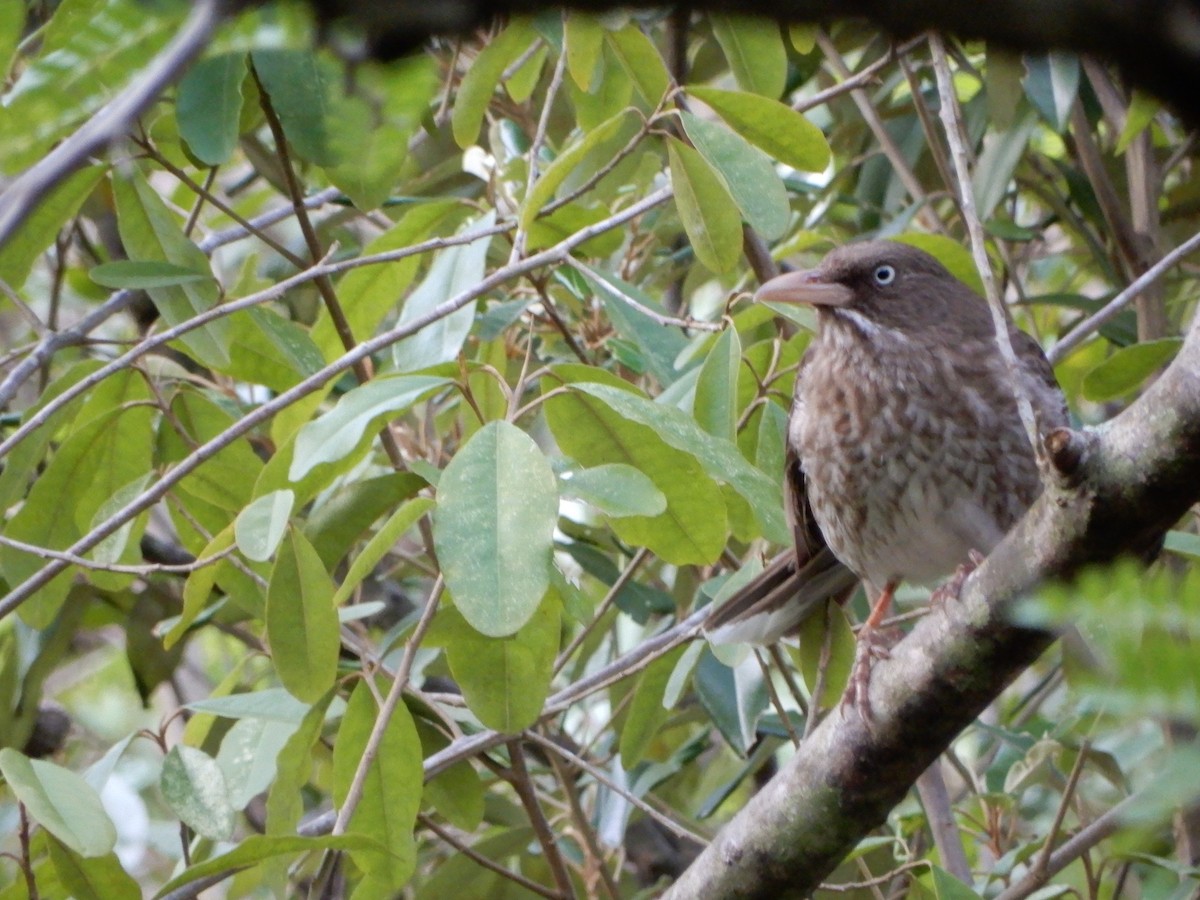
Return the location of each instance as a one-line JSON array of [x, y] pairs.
[[873, 643], [953, 588]]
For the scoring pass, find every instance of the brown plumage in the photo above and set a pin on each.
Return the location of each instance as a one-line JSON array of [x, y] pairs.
[[905, 451]]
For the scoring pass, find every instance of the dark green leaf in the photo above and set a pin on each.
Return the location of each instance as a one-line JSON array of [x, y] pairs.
[[209, 107], [302, 625]]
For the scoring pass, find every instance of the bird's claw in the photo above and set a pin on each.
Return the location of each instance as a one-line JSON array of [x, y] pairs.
[[953, 588], [872, 644]]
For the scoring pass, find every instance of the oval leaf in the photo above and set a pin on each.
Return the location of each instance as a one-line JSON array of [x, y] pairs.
[[771, 126], [302, 625], [642, 62], [505, 680], [337, 433], [748, 173], [475, 90], [754, 48], [194, 787], [61, 802], [208, 107], [260, 526], [392, 790], [1122, 372], [494, 528], [709, 215], [616, 490]]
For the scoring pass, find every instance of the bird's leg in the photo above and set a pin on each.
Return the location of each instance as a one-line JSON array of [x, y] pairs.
[[953, 588], [872, 644]]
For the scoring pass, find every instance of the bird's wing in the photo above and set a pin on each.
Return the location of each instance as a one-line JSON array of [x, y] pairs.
[[797, 582], [1049, 404]]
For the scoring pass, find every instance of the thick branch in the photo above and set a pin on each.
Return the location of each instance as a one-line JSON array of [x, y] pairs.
[[1136, 477]]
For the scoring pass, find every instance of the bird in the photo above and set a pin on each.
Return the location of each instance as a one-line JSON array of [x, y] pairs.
[[906, 457]]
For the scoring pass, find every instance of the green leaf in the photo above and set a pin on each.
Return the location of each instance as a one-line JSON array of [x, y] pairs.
[[521, 83], [273, 704], [479, 83], [61, 802], [505, 680], [733, 698], [660, 346], [1142, 110], [552, 177], [814, 632], [754, 48], [457, 792], [113, 548], [293, 766], [642, 63], [256, 848], [356, 416], [710, 217], [301, 90], [106, 452], [615, 489], [368, 293], [194, 787], [454, 270], [270, 350], [1052, 84], [947, 887], [12, 25], [260, 526], [755, 187], [692, 530], [94, 878], [1127, 368], [583, 36], [344, 515], [151, 234], [771, 126], [494, 528], [247, 757], [1184, 543], [302, 625], [720, 458], [380, 545], [142, 275], [715, 406], [646, 713], [1002, 150], [391, 793], [208, 106], [22, 248]]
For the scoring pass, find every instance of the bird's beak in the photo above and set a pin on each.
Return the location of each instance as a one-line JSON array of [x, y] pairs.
[[809, 287]]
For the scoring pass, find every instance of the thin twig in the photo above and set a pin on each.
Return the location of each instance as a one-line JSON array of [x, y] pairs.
[[1093, 323], [609, 598], [523, 785], [84, 563], [479, 859], [371, 750], [952, 124], [600, 775]]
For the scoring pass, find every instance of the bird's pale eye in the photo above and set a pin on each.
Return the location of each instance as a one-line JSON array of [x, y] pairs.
[[885, 274]]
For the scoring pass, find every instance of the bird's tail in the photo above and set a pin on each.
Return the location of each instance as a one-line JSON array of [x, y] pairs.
[[776, 602]]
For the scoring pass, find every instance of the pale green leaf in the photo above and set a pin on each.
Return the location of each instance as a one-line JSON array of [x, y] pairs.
[[494, 528], [260, 526], [1127, 368], [616, 490], [357, 414], [641, 61], [583, 36], [477, 86], [194, 787], [60, 801], [380, 545]]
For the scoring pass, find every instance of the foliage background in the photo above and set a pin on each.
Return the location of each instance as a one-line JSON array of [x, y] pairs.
[[434, 386]]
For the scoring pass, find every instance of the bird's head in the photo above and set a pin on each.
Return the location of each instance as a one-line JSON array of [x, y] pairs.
[[883, 284]]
